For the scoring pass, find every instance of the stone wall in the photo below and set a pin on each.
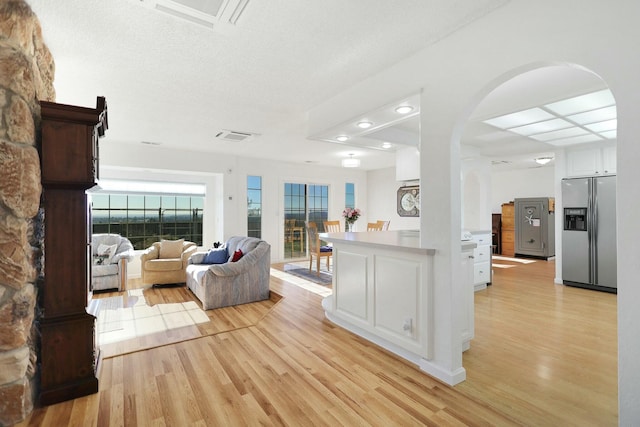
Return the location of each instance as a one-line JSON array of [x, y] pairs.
[[26, 76]]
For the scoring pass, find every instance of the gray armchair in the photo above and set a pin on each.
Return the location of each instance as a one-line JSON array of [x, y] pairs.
[[110, 253], [232, 283]]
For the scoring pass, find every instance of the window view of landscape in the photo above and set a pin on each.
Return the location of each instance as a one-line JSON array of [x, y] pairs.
[[303, 202], [254, 206], [145, 219]]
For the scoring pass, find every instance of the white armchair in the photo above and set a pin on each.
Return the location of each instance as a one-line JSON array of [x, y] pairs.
[[110, 253]]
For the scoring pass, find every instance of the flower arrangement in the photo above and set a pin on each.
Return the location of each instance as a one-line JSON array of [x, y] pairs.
[[351, 215]]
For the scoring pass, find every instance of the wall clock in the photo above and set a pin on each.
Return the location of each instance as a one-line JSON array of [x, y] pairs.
[[409, 201]]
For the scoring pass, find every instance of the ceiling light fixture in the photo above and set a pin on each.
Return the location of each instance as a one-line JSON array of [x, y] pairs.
[[342, 138], [364, 124], [350, 162], [386, 145], [404, 109], [543, 160]]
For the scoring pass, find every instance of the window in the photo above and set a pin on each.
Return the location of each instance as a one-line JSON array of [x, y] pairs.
[[254, 206], [349, 195], [349, 198], [145, 218], [302, 203]]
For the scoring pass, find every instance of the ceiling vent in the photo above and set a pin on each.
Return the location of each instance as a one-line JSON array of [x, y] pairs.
[[207, 13], [231, 135]]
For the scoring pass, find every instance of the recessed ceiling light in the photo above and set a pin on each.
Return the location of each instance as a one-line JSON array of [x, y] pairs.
[[578, 104], [520, 118], [605, 126], [575, 140], [612, 134], [386, 145], [563, 133], [404, 109], [364, 124], [599, 115], [540, 127], [342, 138]]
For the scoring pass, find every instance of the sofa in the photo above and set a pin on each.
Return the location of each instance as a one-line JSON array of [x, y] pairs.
[[165, 262], [110, 255], [239, 275]]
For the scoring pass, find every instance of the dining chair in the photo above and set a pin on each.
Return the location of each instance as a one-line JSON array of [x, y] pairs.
[[374, 226], [293, 232], [385, 224], [316, 249], [332, 226]]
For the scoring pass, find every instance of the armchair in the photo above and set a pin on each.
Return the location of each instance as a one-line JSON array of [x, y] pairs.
[[110, 253], [165, 262]]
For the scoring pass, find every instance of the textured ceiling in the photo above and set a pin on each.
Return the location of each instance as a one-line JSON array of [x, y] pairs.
[[173, 82], [169, 81]]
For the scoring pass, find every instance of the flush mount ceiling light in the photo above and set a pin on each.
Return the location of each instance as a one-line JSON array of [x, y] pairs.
[[387, 145], [350, 162], [404, 109], [543, 160], [342, 138], [364, 124]]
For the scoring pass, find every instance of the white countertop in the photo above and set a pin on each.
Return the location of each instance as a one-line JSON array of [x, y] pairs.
[[408, 240]]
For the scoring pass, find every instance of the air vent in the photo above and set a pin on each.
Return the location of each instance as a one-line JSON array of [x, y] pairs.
[[500, 162], [231, 135], [208, 13]]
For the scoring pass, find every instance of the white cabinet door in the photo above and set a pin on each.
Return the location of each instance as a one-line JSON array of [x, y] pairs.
[[467, 320], [583, 162], [609, 160], [591, 161], [482, 260]]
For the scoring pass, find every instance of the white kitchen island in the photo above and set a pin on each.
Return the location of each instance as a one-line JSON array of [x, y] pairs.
[[383, 292]]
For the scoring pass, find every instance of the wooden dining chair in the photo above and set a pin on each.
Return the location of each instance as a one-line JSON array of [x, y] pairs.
[[316, 249], [374, 226], [332, 226], [385, 224]]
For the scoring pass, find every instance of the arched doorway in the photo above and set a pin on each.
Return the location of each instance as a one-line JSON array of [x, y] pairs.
[[537, 333]]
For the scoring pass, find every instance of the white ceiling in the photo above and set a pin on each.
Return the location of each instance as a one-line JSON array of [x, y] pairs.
[[178, 84]]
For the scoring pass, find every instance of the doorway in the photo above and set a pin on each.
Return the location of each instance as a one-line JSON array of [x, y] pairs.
[[302, 203]]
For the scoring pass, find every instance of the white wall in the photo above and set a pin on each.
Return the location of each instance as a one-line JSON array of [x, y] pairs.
[[509, 185], [225, 177], [476, 194], [515, 38], [382, 189]]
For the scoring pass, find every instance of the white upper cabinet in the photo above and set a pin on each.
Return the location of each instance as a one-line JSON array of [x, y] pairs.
[[591, 161]]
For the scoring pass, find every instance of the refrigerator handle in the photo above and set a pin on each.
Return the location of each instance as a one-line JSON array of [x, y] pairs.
[[594, 232]]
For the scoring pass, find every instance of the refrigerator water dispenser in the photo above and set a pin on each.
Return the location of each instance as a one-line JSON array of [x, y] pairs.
[[575, 219]]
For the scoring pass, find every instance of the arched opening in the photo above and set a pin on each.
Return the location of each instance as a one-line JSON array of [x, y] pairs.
[[536, 346]]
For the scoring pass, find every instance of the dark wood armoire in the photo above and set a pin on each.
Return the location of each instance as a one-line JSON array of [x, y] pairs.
[[69, 161]]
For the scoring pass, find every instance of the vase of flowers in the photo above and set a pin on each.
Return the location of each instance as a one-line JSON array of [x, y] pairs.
[[350, 216]]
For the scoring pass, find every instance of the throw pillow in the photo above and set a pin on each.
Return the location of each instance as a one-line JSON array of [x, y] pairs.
[[171, 248], [236, 255], [106, 252], [216, 256]]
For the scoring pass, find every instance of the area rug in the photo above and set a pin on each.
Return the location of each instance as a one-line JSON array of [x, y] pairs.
[[324, 278]]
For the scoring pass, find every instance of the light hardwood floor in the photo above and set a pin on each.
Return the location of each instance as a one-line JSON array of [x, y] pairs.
[[543, 355]]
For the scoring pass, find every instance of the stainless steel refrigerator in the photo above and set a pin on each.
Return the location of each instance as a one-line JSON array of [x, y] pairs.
[[589, 233]]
